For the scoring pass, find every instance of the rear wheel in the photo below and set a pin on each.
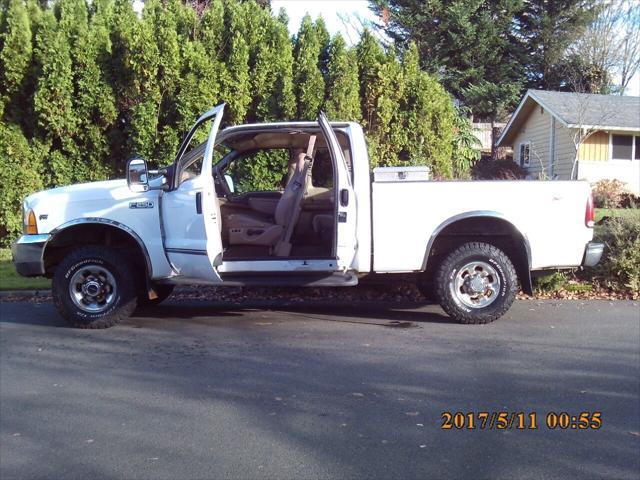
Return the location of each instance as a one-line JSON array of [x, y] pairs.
[[94, 287], [476, 283]]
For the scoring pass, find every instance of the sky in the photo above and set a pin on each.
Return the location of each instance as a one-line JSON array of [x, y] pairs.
[[352, 11]]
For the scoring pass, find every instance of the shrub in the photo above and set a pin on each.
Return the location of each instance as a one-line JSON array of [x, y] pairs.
[[620, 265], [551, 282], [20, 175], [487, 169], [608, 193], [629, 200]]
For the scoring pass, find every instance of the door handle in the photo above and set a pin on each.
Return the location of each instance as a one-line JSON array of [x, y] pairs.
[[344, 197], [199, 202]]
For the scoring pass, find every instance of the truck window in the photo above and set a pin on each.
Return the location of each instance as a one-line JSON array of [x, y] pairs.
[[260, 171]]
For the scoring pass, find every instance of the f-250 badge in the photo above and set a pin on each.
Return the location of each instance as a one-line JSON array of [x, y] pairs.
[[140, 204]]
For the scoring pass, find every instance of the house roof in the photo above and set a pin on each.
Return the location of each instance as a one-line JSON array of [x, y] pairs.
[[577, 110]]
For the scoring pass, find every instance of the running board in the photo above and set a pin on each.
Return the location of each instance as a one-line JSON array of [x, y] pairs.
[[290, 280]]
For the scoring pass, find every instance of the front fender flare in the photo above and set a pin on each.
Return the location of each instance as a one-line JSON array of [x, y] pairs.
[[108, 222]]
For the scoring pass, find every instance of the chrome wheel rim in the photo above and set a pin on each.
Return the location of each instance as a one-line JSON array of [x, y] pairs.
[[476, 284], [93, 289]]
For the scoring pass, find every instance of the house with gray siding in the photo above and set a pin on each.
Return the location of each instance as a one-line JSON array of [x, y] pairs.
[[566, 135]]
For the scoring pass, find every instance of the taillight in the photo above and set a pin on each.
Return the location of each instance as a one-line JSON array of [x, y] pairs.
[[32, 226], [590, 213]]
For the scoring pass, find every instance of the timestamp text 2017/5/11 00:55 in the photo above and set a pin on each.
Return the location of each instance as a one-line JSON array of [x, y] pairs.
[[520, 421]]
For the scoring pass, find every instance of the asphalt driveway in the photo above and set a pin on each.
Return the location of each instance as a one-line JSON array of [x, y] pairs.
[[210, 390]]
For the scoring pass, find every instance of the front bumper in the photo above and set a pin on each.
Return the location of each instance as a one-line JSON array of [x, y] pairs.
[[27, 255], [592, 254]]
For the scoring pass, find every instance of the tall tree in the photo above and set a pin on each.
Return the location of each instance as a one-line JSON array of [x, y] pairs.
[[428, 118], [370, 58], [609, 48], [15, 55], [343, 89], [463, 42], [272, 68], [308, 79], [237, 88], [53, 101], [546, 28]]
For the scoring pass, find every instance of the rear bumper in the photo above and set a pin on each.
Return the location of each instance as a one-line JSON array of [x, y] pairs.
[[592, 254], [27, 255]]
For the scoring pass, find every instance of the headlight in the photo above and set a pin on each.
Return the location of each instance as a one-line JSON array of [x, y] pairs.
[[30, 225]]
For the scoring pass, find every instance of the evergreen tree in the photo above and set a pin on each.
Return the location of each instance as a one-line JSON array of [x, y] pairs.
[[343, 89], [308, 79], [461, 41], [271, 73], [20, 175], [546, 29], [15, 56], [53, 101], [168, 77], [199, 85], [429, 118], [94, 100], [237, 87], [389, 132], [370, 58], [324, 39]]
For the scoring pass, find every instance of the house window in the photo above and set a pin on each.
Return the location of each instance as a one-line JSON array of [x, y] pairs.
[[636, 156], [622, 147], [525, 154]]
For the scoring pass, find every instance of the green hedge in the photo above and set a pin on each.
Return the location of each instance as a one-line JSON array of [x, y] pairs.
[[83, 85]]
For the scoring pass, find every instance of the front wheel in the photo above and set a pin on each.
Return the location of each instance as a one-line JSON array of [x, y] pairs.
[[476, 283], [94, 287]]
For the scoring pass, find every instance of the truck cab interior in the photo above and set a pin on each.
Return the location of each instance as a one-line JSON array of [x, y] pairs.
[[275, 189]]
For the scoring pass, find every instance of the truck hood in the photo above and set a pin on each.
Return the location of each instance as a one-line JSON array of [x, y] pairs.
[[84, 192], [104, 199]]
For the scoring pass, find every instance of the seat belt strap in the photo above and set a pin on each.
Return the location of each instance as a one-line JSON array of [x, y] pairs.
[[283, 247]]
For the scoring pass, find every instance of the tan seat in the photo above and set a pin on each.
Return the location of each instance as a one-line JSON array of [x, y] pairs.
[[255, 229]]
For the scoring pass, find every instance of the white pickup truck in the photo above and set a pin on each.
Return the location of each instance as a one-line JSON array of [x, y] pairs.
[[110, 246]]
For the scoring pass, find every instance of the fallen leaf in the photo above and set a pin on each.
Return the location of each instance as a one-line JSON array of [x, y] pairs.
[[357, 394]]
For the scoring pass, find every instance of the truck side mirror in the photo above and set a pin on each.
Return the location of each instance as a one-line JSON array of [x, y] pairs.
[[137, 175]]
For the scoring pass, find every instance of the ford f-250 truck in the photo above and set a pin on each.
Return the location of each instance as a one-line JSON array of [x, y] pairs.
[[110, 246]]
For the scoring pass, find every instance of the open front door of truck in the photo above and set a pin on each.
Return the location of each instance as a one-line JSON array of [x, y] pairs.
[[191, 213], [346, 240]]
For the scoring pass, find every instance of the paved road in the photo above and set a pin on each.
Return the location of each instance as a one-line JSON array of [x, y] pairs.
[[205, 390]]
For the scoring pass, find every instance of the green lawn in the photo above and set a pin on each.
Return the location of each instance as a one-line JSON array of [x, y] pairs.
[[10, 280], [614, 212]]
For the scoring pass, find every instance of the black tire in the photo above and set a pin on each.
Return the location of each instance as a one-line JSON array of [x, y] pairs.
[[123, 300], [452, 269], [163, 291]]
